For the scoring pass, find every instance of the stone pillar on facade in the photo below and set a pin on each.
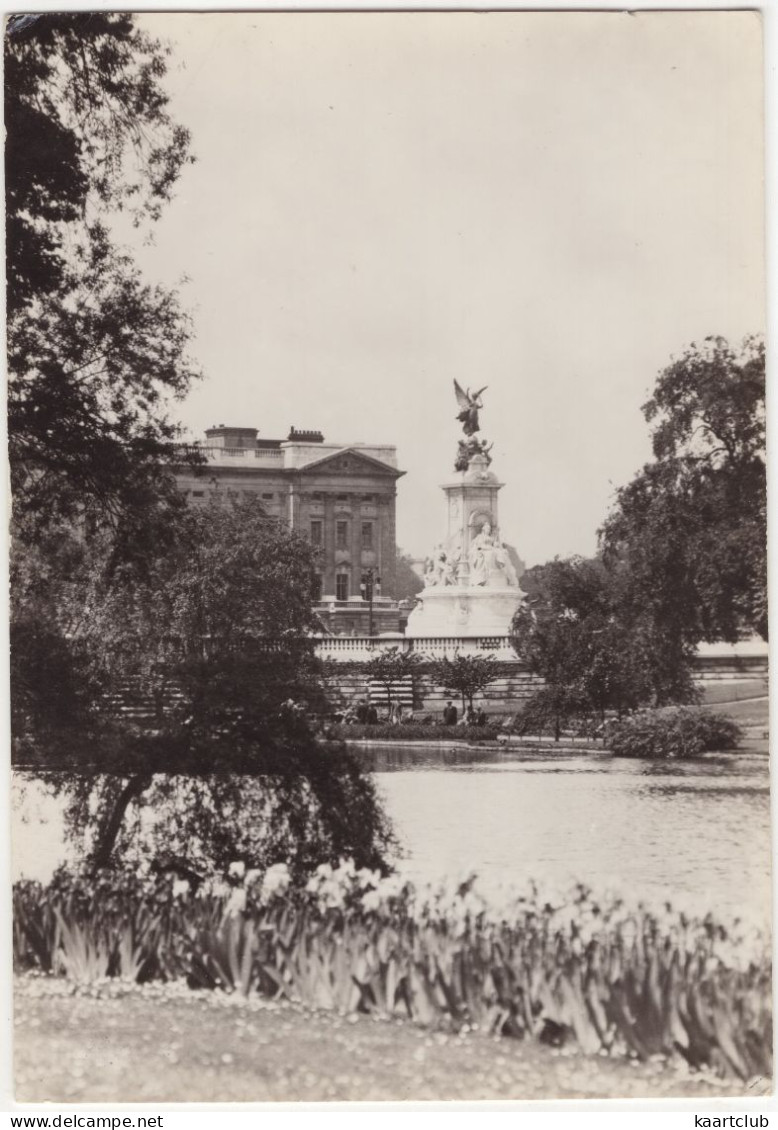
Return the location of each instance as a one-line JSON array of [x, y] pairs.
[[328, 546]]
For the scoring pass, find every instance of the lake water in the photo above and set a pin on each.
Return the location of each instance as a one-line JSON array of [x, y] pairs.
[[696, 833]]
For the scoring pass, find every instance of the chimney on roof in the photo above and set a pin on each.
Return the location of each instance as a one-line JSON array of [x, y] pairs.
[[303, 436]]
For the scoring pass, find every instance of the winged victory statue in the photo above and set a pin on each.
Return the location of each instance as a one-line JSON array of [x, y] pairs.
[[469, 405]]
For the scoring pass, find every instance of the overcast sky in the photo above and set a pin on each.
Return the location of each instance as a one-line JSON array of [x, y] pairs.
[[548, 204]]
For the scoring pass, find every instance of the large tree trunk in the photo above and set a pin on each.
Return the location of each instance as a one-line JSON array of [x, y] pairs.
[[101, 855]]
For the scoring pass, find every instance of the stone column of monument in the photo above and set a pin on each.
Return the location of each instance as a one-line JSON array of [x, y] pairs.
[[471, 587]]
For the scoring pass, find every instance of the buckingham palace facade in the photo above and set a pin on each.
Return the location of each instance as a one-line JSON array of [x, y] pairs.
[[342, 497]]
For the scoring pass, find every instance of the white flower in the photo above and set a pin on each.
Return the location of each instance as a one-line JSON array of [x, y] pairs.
[[252, 876], [391, 886], [180, 887], [276, 880], [237, 902], [367, 878], [237, 870], [371, 901]]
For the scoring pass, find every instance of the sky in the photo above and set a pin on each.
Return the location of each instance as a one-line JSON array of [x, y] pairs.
[[552, 205]]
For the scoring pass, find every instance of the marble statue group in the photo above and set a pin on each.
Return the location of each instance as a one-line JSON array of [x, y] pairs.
[[488, 562]]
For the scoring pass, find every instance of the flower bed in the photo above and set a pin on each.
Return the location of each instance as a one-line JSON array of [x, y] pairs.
[[614, 979]]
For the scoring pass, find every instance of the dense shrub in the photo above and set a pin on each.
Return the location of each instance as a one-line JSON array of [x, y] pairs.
[[612, 978], [414, 732], [679, 731]]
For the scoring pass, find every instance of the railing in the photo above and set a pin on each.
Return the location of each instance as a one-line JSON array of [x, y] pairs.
[[214, 454], [710, 659], [349, 648]]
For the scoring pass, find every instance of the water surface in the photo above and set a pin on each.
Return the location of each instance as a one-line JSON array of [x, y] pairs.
[[696, 833]]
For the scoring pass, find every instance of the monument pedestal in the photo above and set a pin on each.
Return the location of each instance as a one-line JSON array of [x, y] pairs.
[[470, 585], [459, 611]]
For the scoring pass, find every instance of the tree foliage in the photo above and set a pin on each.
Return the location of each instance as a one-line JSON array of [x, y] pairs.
[[682, 554], [690, 529], [392, 668], [408, 582], [465, 675], [212, 633], [87, 127], [121, 594], [94, 353], [596, 650]]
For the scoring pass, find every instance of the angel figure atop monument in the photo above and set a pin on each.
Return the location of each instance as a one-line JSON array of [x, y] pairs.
[[469, 405]]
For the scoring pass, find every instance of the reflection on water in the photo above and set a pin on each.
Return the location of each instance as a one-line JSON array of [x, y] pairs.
[[696, 833]]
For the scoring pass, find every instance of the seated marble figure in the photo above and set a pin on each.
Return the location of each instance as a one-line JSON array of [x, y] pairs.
[[489, 561]]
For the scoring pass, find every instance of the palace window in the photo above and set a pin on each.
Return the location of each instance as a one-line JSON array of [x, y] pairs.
[[316, 587], [198, 494], [341, 586], [367, 535], [341, 535], [267, 495], [316, 532]]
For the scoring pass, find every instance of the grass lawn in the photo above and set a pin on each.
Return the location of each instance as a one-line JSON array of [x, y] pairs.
[[748, 712], [158, 1044]]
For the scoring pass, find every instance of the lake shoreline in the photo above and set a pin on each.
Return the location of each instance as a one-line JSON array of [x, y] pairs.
[[525, 745]]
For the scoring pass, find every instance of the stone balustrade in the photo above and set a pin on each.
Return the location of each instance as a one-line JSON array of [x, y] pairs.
[[350, 648], [747, 655]]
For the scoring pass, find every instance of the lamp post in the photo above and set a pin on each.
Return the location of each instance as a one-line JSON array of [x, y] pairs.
[[370, 579]]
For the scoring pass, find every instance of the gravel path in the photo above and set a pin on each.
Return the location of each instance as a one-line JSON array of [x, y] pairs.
[[169, 1044]]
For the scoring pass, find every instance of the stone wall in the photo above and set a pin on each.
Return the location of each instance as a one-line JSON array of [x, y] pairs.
[[504, 696], [726, 676]]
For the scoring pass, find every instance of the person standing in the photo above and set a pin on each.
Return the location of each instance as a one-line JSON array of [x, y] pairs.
[[450, 715]]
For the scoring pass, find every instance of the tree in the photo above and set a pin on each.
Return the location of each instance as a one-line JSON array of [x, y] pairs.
[[595, 650], [83, 91], [117, 587], [408, 582], [465, 675], [94, 354], [392, 668], [215, 631], [690, 529]]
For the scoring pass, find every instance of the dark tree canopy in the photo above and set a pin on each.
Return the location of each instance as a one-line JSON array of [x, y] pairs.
[[121, 595], [597, 651], [213, 633], [393, 667], [690, 528], [682, 554], [408, 582], [87, 126], [94, 353], [465, 675]]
